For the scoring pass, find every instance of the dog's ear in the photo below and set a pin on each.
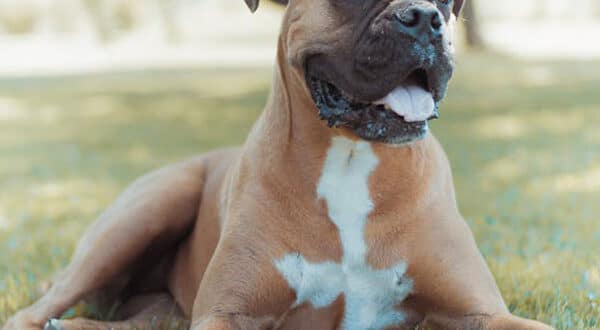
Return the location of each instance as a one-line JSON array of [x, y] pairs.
[[458, 6], [253, 4]]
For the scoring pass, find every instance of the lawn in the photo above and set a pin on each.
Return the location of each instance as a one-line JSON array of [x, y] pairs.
[[523, 139]]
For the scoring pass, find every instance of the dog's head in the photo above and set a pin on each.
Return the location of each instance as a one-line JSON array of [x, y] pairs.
[[376, 67]]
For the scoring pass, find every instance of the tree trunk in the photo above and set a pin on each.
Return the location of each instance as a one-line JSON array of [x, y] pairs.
[[168, 9], [99, 22], [474, 39]]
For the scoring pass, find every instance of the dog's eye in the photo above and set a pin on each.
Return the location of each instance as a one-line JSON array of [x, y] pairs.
[[444, 2]]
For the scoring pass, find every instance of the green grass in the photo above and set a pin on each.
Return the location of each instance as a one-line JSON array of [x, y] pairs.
[[523, 138]]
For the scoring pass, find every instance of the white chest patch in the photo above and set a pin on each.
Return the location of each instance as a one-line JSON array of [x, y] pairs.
[[370, 295]]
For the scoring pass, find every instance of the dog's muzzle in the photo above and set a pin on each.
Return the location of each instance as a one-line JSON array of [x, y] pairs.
[[397, 80]]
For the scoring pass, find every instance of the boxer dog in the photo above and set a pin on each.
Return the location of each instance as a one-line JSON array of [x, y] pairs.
[[338, 213]]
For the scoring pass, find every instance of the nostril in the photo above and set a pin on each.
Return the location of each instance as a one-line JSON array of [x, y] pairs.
[[409, 18], [436, 21]]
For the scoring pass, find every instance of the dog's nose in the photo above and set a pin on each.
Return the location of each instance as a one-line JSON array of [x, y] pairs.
[[419, 21]]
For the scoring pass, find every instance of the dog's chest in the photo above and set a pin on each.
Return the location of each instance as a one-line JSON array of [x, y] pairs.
[[370, 295]]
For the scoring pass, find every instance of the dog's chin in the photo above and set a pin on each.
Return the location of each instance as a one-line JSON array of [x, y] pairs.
[[400, 118]]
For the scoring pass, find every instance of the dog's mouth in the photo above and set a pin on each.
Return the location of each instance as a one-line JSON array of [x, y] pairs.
[[400, 117]]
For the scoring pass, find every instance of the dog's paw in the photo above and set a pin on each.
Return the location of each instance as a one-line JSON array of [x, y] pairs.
[[23, 320], [53, 324]]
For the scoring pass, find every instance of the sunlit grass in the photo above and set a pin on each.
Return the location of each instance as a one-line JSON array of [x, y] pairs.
[[523, 139]]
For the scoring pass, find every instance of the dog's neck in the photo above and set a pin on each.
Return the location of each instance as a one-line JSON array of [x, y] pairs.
[[290, 101], [289, 138], [290, 120]]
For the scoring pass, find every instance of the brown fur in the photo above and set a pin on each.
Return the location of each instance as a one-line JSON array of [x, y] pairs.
[[219, 221]]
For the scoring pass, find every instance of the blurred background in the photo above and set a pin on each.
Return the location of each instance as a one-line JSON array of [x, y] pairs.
[[48, 37], [93, 93]]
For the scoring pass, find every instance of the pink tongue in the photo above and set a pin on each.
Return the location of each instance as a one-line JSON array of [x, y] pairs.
[[411, 102]]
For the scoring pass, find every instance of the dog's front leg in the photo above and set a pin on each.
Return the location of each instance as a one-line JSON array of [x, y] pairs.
[[235, 322], [502, 321], [454, 282], [241, 289]]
